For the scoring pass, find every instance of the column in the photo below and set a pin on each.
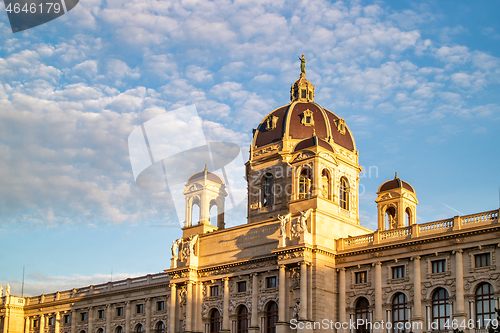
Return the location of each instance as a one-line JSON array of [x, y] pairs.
[[148, 315], [127, 317], [281, 324], [109, 316], [42, 323], [378, 294], [27, 325], [303, 291], [90, 318], [57, 322], [225, 314], [73, 321], [417, 295], [189, 305], [173, 304], [459, 276], [255, 293], [198, 308], [342, 305]]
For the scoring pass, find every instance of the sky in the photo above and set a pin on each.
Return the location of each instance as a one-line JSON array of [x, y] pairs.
[[416, 81]]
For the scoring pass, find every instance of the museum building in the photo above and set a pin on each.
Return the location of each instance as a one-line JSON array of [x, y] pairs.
[[302, 257]]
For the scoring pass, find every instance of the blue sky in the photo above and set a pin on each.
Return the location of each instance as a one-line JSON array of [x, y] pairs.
[[416, 81]]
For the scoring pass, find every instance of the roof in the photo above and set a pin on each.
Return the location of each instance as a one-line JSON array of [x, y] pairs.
[[205, 174], [288, 122], [395, 183]]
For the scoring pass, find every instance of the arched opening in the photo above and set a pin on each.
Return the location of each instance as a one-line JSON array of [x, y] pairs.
[[195, 211], [100, 330], [390, 218], [242, 321], [326, 186], [305, 182], [344, 193], [362, 313], [214, 321], [160, 327], [213, 213], [407, 216], [139, 329], [271, 317], [267, 190], [485, 305], [82, 331], [399, 312], [440, 308], [119, 329]]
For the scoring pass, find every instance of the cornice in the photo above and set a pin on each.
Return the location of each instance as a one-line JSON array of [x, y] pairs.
[[96, 296]]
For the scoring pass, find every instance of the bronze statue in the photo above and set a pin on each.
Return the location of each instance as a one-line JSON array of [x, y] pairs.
[[302, 65]]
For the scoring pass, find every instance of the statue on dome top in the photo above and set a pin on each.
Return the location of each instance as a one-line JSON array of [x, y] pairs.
[[302, 65]]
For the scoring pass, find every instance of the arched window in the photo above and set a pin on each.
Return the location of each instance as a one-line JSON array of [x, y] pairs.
[[271, 317], [485, 305], [267, 190], [362, 312], [214, 321], [119, 329], [344, 193], [440, 308], [390, 218], [408, 216], [326, 187], [242, 325], [139, 328], [305, 181], [160, 327], [100, 330], [195, 211], [82, 331], [399, 312], [213, 213]]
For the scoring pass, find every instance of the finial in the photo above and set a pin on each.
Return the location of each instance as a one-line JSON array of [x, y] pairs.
[[205, 172], [396, 176], [314, 132]]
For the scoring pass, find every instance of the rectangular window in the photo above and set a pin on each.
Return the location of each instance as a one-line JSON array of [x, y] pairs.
[[35, 323], [66, 319], [304, 94], [100, 314], [398, 272], [83, 316], [51, 321], [119, 311], [214, 291], [360, 277], [271, 282], [439, 266], [482, 260], [139, 308], [242, 286], [160, 305]]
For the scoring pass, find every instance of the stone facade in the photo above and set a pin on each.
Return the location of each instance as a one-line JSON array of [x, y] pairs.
[[301, 258]]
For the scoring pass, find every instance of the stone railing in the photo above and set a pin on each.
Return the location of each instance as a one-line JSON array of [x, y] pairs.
[[439, 226], [419, 230], [100, 288]]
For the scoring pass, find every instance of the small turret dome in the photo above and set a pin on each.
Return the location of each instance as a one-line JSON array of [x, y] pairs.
[[395, 183]]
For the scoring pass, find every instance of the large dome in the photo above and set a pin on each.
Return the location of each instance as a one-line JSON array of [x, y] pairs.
[[301, 119]]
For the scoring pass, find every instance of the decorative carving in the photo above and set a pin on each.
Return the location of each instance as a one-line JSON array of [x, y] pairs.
[[296, 310], [340, 123], [271, 122], [283, 222]]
